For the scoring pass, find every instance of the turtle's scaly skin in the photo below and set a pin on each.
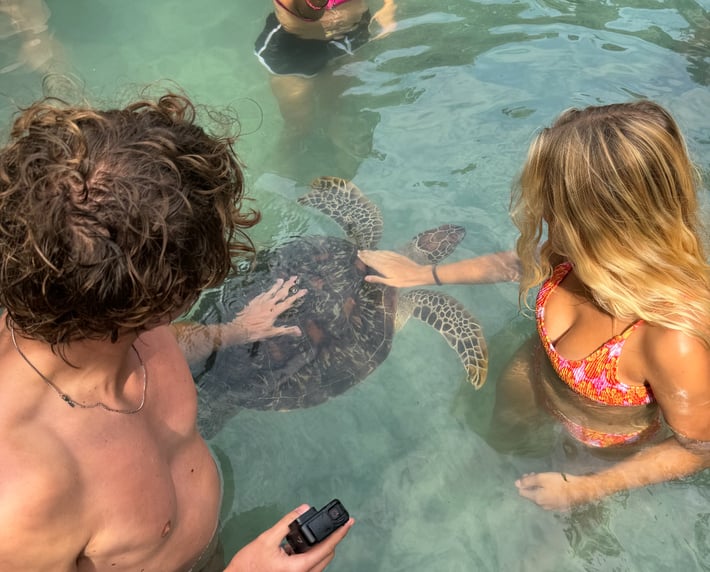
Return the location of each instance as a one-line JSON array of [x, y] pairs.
[[346, 322], [361, 220]]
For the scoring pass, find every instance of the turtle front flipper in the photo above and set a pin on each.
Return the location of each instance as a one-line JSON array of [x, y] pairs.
[[341, 200], [435, 244], [454, 322]]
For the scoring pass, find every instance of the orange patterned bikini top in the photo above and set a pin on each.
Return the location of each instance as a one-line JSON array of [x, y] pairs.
[[595, 376]]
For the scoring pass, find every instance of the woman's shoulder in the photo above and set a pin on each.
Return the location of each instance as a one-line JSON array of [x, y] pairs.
[[663, 341], [674, 355], [678, 371]]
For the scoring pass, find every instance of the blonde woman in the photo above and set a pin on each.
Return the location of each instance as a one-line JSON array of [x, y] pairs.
[[623, 309]]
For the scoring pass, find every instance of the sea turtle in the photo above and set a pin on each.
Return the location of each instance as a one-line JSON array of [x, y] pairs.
[[346, 322]]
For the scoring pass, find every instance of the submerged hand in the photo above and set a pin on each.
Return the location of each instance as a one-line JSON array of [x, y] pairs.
[[554, 491], [266, 555], [256, 320], [395, 269], [384, 17]]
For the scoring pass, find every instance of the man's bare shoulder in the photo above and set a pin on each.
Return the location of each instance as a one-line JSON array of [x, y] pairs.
[[38, 485], [172, 392], [159, 346], [159, 333]]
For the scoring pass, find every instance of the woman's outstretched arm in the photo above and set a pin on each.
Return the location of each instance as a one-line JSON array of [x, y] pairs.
[[394, 269]]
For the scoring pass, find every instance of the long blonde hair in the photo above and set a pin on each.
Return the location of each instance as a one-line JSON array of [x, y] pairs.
[[617, 191]]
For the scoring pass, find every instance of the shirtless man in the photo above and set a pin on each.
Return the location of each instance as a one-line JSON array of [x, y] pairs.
[[111, 223]]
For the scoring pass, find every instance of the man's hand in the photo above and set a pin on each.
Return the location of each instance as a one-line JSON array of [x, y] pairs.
[[265, 554], [256, 321]]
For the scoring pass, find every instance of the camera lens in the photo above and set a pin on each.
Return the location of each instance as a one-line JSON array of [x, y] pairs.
[[334, 513]]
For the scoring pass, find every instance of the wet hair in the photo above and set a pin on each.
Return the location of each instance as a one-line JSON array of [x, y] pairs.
[[616, 191], [113, 220]]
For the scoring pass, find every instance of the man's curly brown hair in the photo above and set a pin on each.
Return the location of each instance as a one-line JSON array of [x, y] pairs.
[[113, 220]]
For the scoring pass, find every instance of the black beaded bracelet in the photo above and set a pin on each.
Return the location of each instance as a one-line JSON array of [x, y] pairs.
[[435, 275]]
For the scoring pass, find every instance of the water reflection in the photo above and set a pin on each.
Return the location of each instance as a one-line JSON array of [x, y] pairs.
[[683, 28], [27, 39]]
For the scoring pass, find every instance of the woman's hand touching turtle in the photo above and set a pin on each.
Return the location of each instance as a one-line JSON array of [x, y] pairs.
[[395, 269]]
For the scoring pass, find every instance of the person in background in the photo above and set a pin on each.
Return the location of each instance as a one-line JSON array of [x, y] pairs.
[[301, 36], [111, 224], [623, 310]]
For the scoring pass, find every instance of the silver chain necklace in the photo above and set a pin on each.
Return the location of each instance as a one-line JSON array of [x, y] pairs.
[[71, 402]]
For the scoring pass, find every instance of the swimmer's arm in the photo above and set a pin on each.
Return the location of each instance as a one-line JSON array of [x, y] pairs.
[[397, 270], [681, 385], [255, 322], [385, 18], [662, 462]]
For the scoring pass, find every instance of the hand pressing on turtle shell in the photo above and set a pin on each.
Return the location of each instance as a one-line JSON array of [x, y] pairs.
[[395, 269], [255, 322], [265, 553]]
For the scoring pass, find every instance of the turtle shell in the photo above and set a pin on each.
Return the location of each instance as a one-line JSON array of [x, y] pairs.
[[347, 326]]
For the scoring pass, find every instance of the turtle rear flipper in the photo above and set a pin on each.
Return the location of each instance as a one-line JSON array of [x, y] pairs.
[[341, 200], [435, 244], [454, 322]]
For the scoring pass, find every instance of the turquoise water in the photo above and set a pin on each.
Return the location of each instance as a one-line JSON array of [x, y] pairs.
[[432, 122]]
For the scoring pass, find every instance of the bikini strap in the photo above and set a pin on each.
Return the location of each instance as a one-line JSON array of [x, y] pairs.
[[558, 275]]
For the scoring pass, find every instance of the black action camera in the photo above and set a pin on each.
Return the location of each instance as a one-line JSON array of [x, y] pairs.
[[313, 526]]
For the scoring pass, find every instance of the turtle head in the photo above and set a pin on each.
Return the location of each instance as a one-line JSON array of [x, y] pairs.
[[435, 244]]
